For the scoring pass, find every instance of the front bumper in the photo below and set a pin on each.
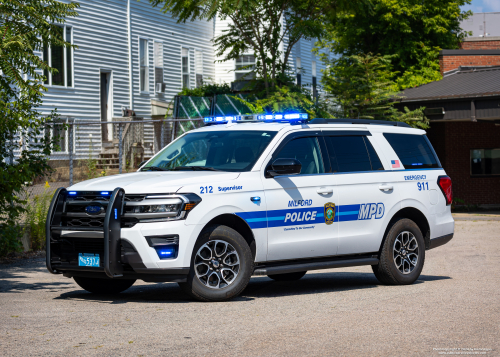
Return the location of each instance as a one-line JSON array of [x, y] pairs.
[[124, 252]]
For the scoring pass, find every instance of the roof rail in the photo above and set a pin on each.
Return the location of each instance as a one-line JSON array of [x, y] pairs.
[[358, 121]]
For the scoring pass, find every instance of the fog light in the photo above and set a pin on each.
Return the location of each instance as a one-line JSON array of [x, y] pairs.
[[166, 251]]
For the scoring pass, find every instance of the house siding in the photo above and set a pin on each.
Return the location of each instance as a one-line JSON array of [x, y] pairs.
[[101, 34]]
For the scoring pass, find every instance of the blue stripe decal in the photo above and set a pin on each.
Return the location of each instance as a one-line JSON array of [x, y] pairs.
[[256, 219], [345, 213], [311, 215], [348, 213]]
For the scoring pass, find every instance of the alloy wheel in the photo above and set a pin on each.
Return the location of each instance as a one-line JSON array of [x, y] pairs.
[[405, 252], [216, 264]]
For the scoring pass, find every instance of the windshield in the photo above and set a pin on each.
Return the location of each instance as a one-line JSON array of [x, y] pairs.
[[235, 151]]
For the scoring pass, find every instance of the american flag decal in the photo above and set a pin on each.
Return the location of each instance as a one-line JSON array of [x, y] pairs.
[[395, 164]]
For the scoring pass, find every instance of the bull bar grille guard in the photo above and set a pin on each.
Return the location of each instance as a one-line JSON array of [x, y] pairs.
[[111, 230]]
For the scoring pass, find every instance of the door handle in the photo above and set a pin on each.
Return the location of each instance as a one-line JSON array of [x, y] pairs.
[[324, 190], [386, 187]]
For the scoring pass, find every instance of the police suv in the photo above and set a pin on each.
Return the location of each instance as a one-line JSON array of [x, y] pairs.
[[274, 195]]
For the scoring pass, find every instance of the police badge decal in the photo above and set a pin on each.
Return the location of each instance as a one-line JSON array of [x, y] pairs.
[[329, 212]]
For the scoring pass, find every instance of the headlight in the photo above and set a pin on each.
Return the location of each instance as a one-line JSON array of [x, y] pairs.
[[156, 208], [160, 208]]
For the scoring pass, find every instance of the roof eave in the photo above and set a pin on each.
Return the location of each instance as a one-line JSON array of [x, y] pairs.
[[460, 96]]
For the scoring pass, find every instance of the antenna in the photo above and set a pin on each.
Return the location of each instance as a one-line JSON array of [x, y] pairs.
[[484, 24]]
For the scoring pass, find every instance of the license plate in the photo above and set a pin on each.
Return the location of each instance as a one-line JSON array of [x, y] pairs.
[[88, 260]]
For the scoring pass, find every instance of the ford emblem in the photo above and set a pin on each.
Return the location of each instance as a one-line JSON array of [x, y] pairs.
[[93, 210]]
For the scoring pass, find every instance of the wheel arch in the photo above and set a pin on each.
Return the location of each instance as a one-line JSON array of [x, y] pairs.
[[239, 225], [416, 216]]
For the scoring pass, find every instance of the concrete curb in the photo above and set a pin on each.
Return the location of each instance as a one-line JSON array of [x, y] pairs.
[[477, 216]]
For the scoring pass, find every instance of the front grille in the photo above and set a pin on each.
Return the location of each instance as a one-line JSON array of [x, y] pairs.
[[88, 245], [67, 249], [74, 214], [87, 221], [134, 198]]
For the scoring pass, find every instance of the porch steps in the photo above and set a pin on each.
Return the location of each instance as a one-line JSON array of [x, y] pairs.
[[108, 157], [108, 160]]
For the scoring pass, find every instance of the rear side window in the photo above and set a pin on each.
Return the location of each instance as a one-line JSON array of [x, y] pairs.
[[414, 151], [307, 151], [352, 153]]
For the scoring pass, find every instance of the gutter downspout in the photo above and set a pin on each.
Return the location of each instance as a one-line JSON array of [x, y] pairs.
[[129, 30], [473, 111]]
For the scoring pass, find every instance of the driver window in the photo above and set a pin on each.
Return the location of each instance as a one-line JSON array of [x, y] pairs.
[[307, 152]]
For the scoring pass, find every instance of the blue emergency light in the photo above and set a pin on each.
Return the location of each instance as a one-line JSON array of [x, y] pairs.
[[290, 118], [166, 252], [223, 120]]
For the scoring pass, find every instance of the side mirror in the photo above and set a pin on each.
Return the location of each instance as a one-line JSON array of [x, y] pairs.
[[142, 163], [284, 167]]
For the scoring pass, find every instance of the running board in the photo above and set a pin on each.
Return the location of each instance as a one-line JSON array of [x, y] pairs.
[[293, 268]]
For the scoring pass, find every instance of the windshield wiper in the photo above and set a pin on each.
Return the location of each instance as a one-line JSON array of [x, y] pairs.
[[153, 168], [195, 168]]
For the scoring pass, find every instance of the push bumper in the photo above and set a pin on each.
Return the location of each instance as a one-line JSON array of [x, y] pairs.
[[119, 258]]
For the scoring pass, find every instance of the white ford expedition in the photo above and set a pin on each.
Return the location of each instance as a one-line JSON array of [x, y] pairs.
[[277, 196]]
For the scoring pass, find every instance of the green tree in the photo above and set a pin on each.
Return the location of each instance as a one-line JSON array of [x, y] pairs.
[[411, 31], [268, 29], [287, 99], [25, 26], [362, 87], [207, 90]]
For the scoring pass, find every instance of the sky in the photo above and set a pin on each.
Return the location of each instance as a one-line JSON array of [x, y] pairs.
[[483, 6]]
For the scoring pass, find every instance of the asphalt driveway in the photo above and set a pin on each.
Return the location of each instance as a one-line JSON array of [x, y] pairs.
[[454, 308]]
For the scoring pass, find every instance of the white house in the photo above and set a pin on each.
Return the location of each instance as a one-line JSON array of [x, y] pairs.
[[132, 56], [304, 63]]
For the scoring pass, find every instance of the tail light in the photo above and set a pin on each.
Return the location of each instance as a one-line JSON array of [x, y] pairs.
[[444, 183]]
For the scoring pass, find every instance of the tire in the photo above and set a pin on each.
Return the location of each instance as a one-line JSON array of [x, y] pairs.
[[104, 286], [402, 255], [221, 265], [288, 276]]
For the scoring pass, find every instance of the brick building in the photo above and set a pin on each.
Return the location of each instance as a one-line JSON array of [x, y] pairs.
[[452, 59], [464, 110]]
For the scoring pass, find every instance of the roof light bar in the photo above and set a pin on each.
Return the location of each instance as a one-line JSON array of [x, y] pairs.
[[291, 118], [222, 120]]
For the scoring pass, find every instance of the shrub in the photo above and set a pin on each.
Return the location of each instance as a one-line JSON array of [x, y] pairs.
[[36, 215]]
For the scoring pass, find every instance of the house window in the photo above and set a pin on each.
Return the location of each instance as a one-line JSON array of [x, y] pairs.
[[299, 71], [60, 58], [244, 67], [485, 162], [314, 80], [185, 68], [60, 132], [198, 67], [158, 55], [143, 64]]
